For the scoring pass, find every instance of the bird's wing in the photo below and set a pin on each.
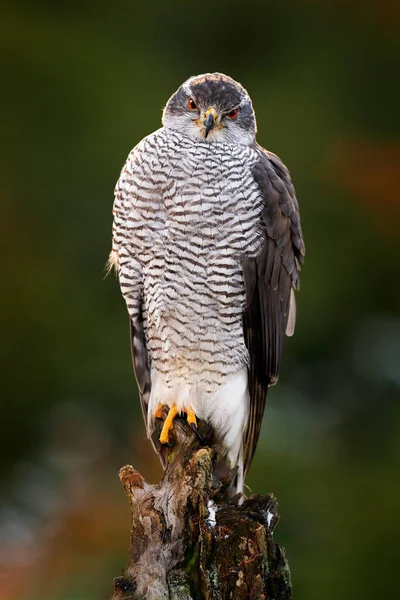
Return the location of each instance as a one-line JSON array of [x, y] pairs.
[[270, 280], [141, 360]]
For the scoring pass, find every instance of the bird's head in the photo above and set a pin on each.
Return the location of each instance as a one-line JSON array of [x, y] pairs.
[[212, 107]]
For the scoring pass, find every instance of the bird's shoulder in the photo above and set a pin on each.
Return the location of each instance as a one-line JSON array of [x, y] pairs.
[[149, 147], [143, 162], [270, 163]]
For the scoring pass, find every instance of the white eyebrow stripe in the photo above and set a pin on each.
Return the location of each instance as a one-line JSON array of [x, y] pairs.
[[186, 88]]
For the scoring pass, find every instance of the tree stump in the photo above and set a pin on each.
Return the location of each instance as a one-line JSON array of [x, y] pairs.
[[190, 541]]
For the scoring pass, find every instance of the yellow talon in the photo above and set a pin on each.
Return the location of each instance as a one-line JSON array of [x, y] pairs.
[[191, 417], [168, 424], [159, 412]]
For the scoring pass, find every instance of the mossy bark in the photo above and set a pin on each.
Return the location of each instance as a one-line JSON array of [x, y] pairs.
[[190, 541]]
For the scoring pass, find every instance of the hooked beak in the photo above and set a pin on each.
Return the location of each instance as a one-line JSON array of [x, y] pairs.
[[209, 124], [209, 121]]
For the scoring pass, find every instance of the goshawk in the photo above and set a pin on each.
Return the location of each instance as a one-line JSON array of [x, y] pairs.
[[207, 244]]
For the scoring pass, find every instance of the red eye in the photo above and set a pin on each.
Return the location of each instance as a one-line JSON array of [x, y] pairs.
[[192, 104], [233, 114]]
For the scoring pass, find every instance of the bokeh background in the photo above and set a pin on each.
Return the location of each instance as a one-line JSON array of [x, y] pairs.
[[82, 83]]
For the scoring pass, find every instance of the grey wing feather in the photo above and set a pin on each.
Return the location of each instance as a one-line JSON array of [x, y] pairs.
[[270, 279], [140, 360], [142, 368]]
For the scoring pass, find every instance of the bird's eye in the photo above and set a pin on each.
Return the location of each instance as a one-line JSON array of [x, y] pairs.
[[233, 114], [192, 104]]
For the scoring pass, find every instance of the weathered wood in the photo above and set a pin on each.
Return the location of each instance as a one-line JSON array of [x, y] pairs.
[[190, 541]]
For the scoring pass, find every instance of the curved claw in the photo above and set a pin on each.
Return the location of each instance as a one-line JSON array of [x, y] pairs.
[[166, 444], [194, 427]]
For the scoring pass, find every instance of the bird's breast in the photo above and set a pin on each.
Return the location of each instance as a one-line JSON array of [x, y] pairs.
[[206, 218]]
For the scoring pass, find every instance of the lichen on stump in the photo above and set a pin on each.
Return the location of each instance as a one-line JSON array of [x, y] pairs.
[[190, 541]]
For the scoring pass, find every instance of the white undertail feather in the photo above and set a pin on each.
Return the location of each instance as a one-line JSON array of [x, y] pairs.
[[227, 409]]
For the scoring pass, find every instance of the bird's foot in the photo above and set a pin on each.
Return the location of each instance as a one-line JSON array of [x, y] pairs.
[[191, 417], [173, 411], [168, 423]]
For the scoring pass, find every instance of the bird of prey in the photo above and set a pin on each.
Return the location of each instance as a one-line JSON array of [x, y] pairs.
[[207, 245]]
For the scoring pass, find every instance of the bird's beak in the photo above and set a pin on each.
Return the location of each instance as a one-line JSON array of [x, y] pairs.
[[209, 120]]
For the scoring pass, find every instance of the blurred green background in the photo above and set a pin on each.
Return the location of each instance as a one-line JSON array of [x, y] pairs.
[[82, 83]]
